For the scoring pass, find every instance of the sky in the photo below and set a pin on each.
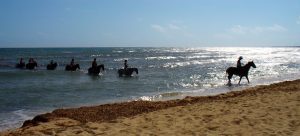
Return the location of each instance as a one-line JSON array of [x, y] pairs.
[[150, 23]]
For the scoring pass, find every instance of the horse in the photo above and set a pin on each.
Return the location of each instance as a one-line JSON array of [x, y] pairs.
[[127, 72], [20, 65], [31, 65], [96, 71], [241, 72], [72, 68], [52, 66]]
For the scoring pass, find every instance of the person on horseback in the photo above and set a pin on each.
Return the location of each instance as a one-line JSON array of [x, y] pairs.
[[239, 64], [125, 65], [31, 61], [21, 63], [94, 64], [51, 62], [72, 62]]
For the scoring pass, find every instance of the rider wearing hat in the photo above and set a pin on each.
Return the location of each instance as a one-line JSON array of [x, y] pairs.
[[239, 64]]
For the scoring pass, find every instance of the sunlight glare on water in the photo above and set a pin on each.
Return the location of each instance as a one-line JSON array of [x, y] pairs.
[[164, 73]]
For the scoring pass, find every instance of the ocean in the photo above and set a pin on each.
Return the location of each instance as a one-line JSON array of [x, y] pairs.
[[164, 73]]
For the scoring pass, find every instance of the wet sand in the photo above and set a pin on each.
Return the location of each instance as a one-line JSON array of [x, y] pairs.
[[263, 110]]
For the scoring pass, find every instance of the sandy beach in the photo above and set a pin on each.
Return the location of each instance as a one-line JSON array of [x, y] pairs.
[[262, 110]]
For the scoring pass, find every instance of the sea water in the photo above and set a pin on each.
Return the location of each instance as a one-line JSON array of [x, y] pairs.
[[164, 73]]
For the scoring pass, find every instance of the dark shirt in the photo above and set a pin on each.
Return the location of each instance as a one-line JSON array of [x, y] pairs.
[[72, 62], [239, 64], [94, 64], [125, 65]]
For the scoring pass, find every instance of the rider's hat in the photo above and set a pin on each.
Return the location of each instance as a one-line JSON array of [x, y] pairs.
[[240, 57]]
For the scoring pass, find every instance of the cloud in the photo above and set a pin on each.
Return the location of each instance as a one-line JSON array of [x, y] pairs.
[[173, 27], [224, 36], [174, 32], [238, 29], [248, 34], [166, 28], [275, 28], [298, 21], [159, 28]]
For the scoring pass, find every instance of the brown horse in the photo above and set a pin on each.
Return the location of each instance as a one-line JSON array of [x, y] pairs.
[[72, 68], [20, 65], [52, 66], [241, 72], [31, 65], [127, 72], [96, 71]]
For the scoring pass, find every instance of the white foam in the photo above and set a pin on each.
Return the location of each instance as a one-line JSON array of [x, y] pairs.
[[15, 119], [219, 88]]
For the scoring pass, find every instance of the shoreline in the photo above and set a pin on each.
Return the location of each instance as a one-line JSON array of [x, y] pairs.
[[117, 113]]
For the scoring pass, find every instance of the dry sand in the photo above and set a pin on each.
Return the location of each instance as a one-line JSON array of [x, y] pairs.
[[261, 110]]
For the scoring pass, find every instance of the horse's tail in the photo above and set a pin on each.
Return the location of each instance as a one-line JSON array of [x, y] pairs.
[[226, 74], [120, 72]]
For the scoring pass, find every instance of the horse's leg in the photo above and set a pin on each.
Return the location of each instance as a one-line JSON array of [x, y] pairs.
[[247, 79], [240, 79], [102, 67], [229, 77]]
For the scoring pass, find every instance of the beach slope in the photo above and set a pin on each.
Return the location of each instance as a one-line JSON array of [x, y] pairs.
[[263, 110]]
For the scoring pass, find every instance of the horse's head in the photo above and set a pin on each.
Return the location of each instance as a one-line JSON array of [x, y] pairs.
[[101, 67], [77, 66], [137, 71], [251, 63]]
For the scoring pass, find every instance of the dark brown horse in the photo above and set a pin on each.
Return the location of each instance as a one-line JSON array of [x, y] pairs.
[[52, 66], [241, 72], [127, 72], [20, 65], [96, 71], [31, 65], [72, 68]]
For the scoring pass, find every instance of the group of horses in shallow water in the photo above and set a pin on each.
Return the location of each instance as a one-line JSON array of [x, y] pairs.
[[241, 72], [69, 67]]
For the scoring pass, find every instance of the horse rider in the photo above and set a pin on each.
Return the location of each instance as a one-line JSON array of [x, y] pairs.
[[125, 65], [239, 64], [51, 62], [72, 62], [31, 61], [94, 64], [21, 62]]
